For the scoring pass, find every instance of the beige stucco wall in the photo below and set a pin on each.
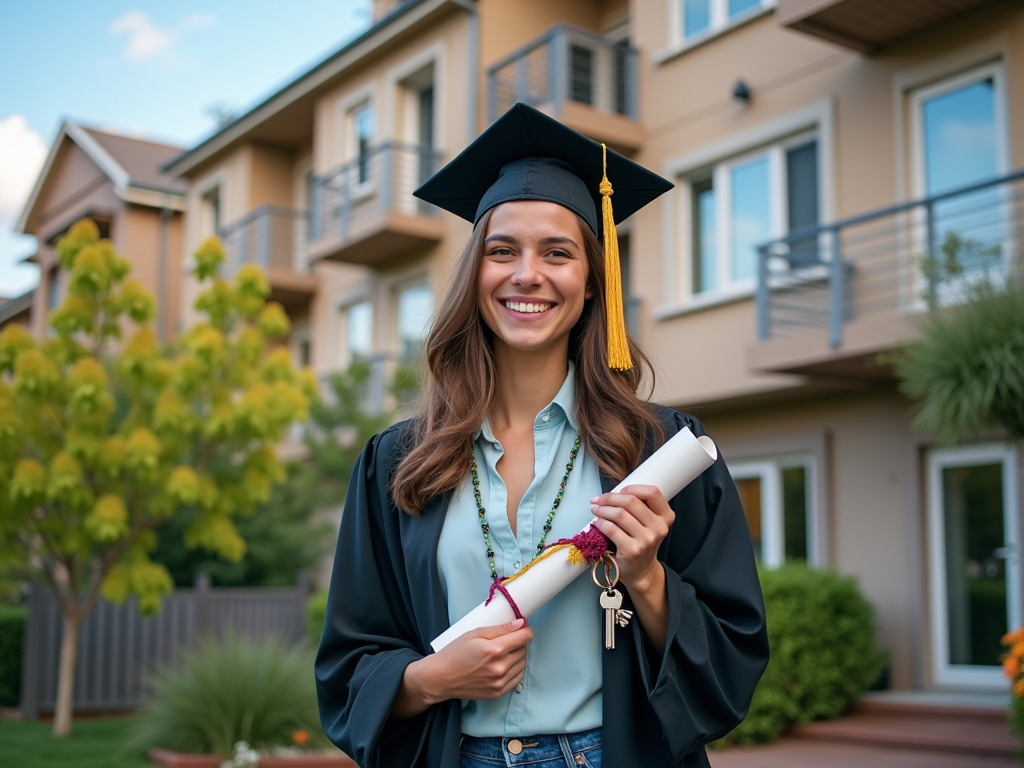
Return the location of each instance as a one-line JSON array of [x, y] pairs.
[[686, 108]]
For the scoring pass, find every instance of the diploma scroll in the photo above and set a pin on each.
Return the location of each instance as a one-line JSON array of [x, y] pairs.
[[671, 468]]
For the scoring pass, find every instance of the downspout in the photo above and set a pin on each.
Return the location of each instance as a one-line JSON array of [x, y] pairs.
[[474, 65]]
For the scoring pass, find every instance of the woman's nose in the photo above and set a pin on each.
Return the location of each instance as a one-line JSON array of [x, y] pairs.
[[526, 272]]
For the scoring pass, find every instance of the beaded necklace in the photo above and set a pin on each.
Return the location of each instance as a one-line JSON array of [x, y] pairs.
[[481, 512]]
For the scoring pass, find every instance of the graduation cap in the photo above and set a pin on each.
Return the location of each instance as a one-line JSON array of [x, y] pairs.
[[526, 155]]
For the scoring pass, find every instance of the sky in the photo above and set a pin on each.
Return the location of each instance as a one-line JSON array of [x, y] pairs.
[[156, 70]]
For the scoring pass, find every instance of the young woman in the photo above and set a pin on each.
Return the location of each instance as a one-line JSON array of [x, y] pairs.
[[524, 431]]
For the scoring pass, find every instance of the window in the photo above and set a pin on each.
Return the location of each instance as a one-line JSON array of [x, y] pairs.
[[776, 497], [210, 214], [741, 203], [362, 138], [581, 74], [702, 17], [53, 289], [960, 141], [415, 305], [358, 331]]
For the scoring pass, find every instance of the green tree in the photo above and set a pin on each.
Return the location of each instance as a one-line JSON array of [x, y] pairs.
[[966, 370], [103, 440]]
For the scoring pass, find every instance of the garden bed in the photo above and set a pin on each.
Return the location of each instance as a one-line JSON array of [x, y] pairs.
[[165, 758]]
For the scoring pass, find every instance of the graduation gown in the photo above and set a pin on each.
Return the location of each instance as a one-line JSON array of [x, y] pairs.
[[386, 604]]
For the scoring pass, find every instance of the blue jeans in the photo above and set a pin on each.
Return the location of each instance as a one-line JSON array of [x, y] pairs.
[[565, 750]]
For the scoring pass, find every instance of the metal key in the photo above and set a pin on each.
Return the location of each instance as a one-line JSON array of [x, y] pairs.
[[611, 601]]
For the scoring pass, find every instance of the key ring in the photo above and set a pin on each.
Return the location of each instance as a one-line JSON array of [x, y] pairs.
[[609, 563]]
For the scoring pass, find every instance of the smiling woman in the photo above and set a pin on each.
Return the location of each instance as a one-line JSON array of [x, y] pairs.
[[529, 419]]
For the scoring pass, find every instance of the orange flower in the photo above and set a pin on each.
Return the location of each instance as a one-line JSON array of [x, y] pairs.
[[1018, 649], [300, 737], [1014, 637], [1011, 667], [1018, 688]]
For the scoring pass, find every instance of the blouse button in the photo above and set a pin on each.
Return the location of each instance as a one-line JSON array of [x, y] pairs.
[[519, 688], [516, 565], [545, 417]]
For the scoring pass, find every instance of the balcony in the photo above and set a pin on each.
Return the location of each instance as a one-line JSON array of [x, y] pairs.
[[868, 25], [576, 76], [364, 212], [830, 298], [273, 238]]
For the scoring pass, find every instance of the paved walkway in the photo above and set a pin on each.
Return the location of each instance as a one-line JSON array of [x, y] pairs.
[[799, 753]]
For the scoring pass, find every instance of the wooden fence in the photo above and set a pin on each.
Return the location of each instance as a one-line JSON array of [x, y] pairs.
[[117, 645]]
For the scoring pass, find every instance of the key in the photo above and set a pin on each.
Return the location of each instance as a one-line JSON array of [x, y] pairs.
[[611, 601]]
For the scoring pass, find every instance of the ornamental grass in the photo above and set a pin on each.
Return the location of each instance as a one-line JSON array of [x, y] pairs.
[[227, 691]]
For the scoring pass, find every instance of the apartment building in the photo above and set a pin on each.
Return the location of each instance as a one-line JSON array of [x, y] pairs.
[[116, 181], [820, 150]]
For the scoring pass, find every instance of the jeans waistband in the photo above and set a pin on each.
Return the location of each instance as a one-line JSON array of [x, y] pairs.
[[530, 749]]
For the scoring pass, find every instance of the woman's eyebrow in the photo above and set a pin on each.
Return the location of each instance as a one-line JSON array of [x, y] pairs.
[[500, 238], [558, 241]]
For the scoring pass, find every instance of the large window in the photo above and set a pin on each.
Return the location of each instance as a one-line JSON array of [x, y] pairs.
[[361, 120], [702, 17], [959, 142], [777, 496], [741, 203], [415, 305], [357, 320], [210, 213]]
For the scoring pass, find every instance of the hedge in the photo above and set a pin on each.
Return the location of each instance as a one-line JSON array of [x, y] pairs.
[[316, 615], [12, 641], [821, 632]]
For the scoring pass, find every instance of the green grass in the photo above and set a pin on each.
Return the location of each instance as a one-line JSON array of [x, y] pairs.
[[92, 744]]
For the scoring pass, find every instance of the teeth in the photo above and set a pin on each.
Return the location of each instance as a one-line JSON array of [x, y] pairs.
[[527, 307]]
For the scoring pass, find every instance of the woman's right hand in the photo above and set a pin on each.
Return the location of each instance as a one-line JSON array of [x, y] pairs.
[[485, 663]]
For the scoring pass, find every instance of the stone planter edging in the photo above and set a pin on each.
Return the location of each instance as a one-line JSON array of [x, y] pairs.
[[165, 758]]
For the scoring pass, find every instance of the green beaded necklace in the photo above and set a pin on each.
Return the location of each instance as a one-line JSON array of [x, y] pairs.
[[481, 512]]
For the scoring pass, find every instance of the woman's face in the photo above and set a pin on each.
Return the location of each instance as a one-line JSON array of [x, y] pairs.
[[533, 276]]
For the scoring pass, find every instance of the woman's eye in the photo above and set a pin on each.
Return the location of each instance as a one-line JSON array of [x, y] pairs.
[[557, 254]]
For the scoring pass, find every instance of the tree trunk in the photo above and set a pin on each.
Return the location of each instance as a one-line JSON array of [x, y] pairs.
[[66, 675]]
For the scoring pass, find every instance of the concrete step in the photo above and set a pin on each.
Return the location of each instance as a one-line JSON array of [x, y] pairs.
[[960, 724]]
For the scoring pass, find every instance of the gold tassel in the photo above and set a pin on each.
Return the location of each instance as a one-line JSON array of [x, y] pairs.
[[618, 344]]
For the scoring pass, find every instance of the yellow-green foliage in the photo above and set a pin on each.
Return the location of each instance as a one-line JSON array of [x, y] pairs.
[[104, 438]]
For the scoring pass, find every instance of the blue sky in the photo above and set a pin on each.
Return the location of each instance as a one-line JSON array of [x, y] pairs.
[[152, 69]]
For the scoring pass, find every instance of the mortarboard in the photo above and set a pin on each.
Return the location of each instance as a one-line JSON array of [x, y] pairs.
[[526, 155]]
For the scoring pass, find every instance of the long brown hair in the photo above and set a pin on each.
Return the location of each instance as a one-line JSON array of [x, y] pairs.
[[461, 385]]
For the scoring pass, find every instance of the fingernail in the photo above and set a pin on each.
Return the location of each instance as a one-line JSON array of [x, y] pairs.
[[593, 500], [594, 507]]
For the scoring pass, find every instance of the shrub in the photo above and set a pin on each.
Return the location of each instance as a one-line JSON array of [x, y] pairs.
[[821, 633], [226, 691], [1013, 668], [12, 641], [316, 615], [1017, 721]]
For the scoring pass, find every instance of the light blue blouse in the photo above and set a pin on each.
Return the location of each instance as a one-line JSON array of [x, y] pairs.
[[561, 688]]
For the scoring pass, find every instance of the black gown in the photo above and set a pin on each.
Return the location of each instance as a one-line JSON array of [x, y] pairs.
[[386, 604]]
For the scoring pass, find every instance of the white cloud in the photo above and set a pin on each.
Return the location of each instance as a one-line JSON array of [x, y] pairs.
[[147, 41], [22, 152]]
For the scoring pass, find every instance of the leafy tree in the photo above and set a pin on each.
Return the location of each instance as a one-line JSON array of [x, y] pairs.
[[102, 441], [967, 368]]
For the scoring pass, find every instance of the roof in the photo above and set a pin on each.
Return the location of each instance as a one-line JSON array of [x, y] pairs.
[[141, 160], [133, 165], [10, 308], [409, 12]]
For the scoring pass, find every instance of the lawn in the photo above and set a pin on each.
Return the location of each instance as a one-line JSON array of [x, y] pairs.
[[92, 744]]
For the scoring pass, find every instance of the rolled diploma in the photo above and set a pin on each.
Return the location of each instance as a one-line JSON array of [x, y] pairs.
[[671, 468]]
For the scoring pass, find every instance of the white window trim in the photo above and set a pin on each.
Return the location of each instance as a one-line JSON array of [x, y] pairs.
[[943, 672], [433, 54], [773, 534], [396, 289], [343, 348], [677, 44], [919, 96], [197, 193], [786, 130], [360, 190]]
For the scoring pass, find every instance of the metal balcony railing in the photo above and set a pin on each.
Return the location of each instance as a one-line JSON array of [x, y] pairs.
[[566, 64], [898, 260], [271, 237], [380, 180]]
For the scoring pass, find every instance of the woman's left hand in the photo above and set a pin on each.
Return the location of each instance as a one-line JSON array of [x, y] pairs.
[[636, 520]]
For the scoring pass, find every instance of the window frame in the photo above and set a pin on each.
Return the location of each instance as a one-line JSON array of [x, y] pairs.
[[719, 22], [720, 174], [361, 188], [396, 292], [347, 357], [773, 533]]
